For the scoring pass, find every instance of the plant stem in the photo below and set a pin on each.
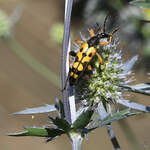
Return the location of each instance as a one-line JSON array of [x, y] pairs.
[[65, 48], [23, 54], [103, 114], [76, 139]]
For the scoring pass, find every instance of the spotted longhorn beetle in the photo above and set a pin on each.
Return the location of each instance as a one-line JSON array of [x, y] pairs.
[[87, 51]]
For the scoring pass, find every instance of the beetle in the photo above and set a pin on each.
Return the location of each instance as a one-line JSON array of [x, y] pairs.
[[86, 52]]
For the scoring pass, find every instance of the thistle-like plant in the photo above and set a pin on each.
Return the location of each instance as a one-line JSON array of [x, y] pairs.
[[104, 87]]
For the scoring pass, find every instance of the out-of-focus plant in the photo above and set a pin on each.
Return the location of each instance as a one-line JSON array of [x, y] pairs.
[[144, 6], [97, 95], [56, 33], [7, 25], [132, 19], [4, 25]]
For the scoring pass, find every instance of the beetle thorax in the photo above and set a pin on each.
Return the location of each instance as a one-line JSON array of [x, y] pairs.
[[94, 41]]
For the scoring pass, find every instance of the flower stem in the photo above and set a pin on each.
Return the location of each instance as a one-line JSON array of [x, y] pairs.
[[65, 49], [76, 139], [23, 54]]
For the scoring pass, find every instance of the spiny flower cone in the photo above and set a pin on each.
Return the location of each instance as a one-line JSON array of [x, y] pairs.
[[103, 85]]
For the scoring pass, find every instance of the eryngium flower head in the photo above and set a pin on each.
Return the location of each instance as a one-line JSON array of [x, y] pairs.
[[105, 78], [103, 84]]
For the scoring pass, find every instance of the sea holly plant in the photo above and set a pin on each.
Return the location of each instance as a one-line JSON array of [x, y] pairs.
[[95, 95]]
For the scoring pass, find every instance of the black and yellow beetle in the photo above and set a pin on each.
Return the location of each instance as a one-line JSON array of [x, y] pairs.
[[87, 51]]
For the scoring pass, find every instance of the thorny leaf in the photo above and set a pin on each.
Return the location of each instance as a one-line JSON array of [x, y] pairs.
[[114, 117], [60, 107], [43, 109], [134, 105], [35, 131], [61, 123], [142, 88], [83, 120]]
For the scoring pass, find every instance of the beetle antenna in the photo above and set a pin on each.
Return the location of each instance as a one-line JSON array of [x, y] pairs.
[[99, 28], [104, 26], [115, 30]]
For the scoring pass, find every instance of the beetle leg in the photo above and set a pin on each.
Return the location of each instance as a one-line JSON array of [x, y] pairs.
[[110, 38], [87, 76], [89, 67], [79, 42], [100, 59], [91, 31], [105, 43], [71, 53]]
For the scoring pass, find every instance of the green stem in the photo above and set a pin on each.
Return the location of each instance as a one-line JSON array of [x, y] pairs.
[[76, 139], [34, 63]]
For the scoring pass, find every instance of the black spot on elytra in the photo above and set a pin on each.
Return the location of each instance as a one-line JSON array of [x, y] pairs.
[[90, 54], [81, 49], [84, 54], [76, 59]]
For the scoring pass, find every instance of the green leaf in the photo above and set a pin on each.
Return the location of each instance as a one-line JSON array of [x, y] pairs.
[[141, 3], [119, 115], [60, 107], [56, 33], [61, 123], [42, 132], [133, 105], [114, 117], [54, 132], [83, 120], [31, 131], [142, 88], [43, 109], [23, 133]]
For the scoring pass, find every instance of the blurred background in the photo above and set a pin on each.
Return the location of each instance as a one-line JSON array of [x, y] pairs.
[[30, 65]]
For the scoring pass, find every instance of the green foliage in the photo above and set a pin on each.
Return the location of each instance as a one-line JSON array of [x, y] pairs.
[[30, 60], [119, 115], [60, 107], [61, 123], [141, 3], [83, 120], [113, 117], [34, 131], [56, 33], [4, 25], [44, 109]]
